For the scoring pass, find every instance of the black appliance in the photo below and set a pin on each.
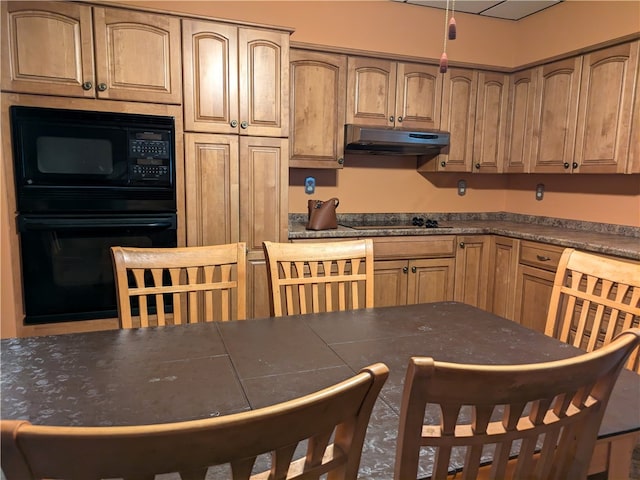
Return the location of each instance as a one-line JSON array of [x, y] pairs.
[[86, 181], [92, 161]]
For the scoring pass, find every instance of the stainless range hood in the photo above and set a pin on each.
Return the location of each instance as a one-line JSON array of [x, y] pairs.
[[389, 141]]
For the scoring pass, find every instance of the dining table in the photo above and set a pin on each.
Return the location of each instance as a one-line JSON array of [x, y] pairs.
[[177, 373]]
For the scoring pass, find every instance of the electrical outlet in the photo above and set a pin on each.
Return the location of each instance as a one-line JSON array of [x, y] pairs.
[[462, 187], [309, 185]]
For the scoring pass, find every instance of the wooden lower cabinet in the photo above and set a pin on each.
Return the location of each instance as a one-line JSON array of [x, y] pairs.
[[424, 280], [237, 191], [412, 270], [472, 270], [503, 268], [537, 265], [258, 302]]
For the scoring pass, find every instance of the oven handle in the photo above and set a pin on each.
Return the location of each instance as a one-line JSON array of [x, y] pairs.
[[25, 223]]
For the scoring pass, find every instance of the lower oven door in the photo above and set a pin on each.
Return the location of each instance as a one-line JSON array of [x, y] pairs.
[[67, 270]]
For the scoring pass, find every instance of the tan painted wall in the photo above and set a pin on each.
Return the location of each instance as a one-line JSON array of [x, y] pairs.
[[392, 27]]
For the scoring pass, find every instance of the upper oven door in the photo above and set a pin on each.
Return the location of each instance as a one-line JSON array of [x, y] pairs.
[[75, 161]]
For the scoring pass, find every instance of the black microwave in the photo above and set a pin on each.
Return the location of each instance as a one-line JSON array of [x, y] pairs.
[[79, 161]]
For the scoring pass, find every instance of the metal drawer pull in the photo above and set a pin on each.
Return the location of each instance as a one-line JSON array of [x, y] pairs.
[[542, 258]]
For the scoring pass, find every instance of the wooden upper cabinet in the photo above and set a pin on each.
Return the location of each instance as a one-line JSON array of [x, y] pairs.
[[418, 96], [491, 122], [137, 56], [236, 80], [47, 48], [605, 109], [520, 115], [317, 112], [391, 94], [371, 94], [554, 128], [459, 96]]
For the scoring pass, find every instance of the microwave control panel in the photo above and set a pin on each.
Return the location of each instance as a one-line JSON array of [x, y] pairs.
[[150, 157]]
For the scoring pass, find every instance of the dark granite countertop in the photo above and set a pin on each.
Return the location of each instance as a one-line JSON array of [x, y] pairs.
[[610, 239]]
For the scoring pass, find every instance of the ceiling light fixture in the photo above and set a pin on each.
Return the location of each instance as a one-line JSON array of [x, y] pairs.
[[450, 32]]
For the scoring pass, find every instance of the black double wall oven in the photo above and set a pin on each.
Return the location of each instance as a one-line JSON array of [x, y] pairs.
[[86, 181]]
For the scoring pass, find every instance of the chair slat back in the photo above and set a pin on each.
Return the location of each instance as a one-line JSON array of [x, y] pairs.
[[319, 277], [594, 298], [138, 452], [162, 286], [535, 421]]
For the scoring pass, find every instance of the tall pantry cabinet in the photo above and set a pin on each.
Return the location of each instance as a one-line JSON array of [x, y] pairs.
[[236, 91]]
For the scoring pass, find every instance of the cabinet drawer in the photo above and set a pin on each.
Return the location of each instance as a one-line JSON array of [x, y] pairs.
[[414, 247], [540, 255]]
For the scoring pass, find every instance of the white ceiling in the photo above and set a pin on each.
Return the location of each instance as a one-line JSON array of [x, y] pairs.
[[506, 9]]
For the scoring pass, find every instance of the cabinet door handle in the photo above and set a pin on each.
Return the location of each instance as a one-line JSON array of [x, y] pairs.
[[244, 124], [102, 87], [87, 86], [405, 269], [543, 258], [340, 161], [477, 166], [575, 165], [414, 269], [234, 123], [391, 119], [400, 119], [565, 164], [461, 244], [443, 163]]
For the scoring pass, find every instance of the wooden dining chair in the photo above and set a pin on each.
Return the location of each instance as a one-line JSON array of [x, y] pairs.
[[319, 277], [544, 416], [339, 413], [593, 299], [160, 286]]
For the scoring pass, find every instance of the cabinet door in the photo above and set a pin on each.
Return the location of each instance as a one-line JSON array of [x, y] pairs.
[[520, 115], [431, 280], [210, 55], [264, 182], [212, 189], [257, 287], [371, 87], [555, 118], [491, 122], [390, 282], [604, 113], [137, 56], [633, 162], [263, 82], [418, 96], [459, 94], [503, 265], [533, 293], [472, 270], [47, 48], [318, 83]]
